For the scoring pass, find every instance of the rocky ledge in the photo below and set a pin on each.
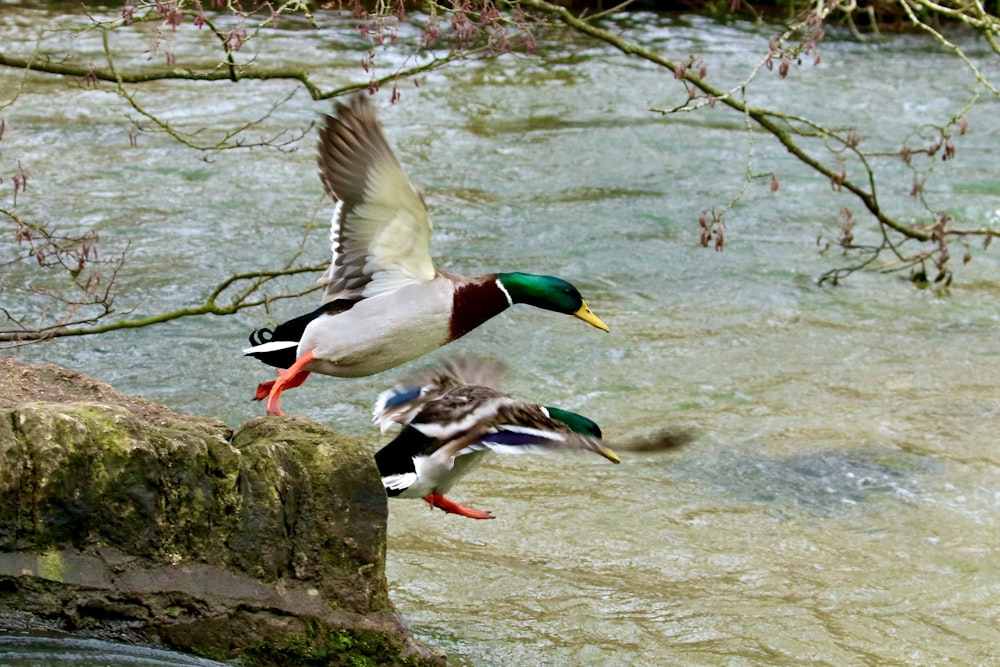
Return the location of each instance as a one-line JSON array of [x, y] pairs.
[[121, 518]]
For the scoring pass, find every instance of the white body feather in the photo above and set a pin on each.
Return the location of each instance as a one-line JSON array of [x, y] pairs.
[[435, 474], [382, 332]]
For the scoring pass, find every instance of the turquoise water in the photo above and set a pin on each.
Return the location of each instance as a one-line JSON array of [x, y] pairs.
[[838, 504]]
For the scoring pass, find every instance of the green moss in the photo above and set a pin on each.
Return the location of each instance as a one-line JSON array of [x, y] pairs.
[[50, 566], [328, 647]]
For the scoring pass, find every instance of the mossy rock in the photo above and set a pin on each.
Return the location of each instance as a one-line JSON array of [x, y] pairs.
[[324, 647], [119, 516]]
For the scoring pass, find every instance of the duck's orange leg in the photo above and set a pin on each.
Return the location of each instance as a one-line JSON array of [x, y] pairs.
[[264, 388], [451, 507], [287, 378]]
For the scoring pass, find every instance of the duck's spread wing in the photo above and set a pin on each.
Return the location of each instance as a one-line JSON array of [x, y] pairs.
[[514, 439], [407, 399], [402, 403], [381, 230], [524, 427]]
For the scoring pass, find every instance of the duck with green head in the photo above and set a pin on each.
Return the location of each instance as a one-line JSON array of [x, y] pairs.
[[452, 419], [384, 302]]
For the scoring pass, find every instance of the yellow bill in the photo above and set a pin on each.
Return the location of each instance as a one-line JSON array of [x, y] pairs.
[[587, 315]]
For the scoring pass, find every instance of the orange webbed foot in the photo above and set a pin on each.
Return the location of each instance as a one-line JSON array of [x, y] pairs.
[[263, 389], [451, 507], [287, 379]]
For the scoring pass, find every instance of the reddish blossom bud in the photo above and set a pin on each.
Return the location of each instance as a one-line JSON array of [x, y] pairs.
[[530, 45]]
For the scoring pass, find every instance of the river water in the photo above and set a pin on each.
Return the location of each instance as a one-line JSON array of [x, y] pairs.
[[838, 502]]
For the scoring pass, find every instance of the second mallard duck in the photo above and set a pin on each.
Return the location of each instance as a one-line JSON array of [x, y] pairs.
[[384, 302], [452, 419]]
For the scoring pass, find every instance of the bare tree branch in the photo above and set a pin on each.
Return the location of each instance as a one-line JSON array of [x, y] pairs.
[[789, 129]]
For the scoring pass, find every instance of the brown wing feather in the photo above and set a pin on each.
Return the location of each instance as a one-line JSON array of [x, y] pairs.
[[351, 143], [381, 228]]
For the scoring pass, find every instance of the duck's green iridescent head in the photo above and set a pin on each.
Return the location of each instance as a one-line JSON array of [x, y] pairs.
[[550, 293], [576, 422], [584, 426]]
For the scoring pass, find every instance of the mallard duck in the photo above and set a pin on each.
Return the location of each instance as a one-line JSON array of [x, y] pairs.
[[384, 302], [452, 419]]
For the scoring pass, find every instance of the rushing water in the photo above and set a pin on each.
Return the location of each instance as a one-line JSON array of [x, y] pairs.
[[56, 650], [838, 505]]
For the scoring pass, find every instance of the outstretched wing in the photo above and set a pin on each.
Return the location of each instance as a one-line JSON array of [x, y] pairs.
[[517, 439], [380, 232], [402, 403], [482, 418]]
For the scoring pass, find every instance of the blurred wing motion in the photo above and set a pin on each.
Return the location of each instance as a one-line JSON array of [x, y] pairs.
[[399, 405]]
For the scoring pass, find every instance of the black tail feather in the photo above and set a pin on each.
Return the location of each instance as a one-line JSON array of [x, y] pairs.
[[292, 330], [258, 337]]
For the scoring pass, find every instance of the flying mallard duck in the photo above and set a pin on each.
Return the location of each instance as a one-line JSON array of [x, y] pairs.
[[452, 420], [384, 302]]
